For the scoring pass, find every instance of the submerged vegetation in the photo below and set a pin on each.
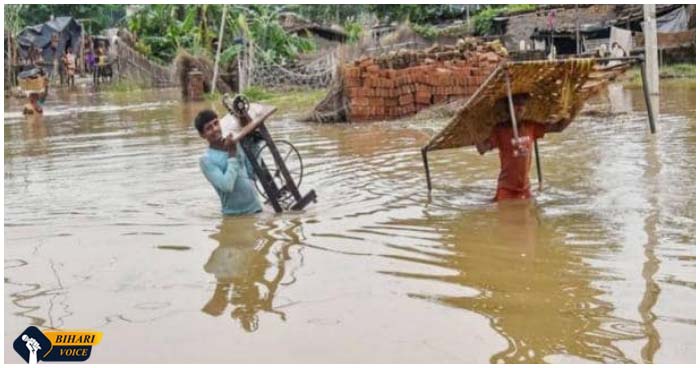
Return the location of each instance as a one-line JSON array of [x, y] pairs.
[[677, 71]]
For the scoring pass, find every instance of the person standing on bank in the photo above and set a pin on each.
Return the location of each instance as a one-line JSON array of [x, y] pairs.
[[225, 166], [516, 155], [69, 67]]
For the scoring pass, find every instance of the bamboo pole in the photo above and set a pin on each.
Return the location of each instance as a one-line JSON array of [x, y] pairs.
[[539, 167], [218, 50], [513, 121]]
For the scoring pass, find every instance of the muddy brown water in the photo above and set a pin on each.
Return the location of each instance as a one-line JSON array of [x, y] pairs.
[[110, 225]]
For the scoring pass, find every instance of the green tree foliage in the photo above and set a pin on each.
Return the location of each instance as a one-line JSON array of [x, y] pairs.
[[163, 29], [483, 21], [416, 13], [324, 13], [13, 20], [260, 23], [95, 17], [354, 30]]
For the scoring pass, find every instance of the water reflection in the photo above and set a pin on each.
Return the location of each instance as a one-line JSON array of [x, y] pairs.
[[536, 291], [620, 100], [249, 264]]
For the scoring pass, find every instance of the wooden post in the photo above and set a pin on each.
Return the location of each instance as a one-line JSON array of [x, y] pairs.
[[218, 50], [11, 70], [240, 70], [578, 31], [647, 100], [424, 152], [251, 63]]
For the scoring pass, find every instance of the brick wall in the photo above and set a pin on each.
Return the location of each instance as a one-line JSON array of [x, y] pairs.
[[404, 83]]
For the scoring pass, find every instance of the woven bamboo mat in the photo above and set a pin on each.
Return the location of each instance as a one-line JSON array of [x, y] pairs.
[[558, 90]]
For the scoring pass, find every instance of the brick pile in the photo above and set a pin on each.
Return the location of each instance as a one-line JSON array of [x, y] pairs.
[[405, 82]]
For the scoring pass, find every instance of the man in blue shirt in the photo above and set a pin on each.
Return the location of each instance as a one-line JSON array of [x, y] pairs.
[[226, 167]]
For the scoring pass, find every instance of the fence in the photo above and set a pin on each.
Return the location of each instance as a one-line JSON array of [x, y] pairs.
[[318, 73], [132, 65]]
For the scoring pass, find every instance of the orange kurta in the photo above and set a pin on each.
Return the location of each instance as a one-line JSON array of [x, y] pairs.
[[514, 179]]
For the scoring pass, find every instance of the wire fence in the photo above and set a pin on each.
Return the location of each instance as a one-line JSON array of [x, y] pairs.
[[132, 65], [318, 73]]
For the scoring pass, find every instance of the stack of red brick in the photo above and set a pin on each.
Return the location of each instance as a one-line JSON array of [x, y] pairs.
[[377, 90]]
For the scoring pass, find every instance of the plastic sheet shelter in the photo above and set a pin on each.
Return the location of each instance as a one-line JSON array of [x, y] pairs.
[[66, 30]]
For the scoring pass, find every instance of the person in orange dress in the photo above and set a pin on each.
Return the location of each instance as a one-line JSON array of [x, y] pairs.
[[516, 154]]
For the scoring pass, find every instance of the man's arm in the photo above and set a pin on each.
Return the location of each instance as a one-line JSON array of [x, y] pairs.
[[558, 127], [221, 180], [484, 146]]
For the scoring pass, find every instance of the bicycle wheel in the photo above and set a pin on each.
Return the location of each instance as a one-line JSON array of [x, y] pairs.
[[291, 160]]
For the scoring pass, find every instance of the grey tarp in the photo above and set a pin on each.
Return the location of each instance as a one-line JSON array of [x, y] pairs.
[[674, 21], [39, 36]]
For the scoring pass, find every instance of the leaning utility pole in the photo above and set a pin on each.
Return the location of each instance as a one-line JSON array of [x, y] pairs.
[[651, 49]]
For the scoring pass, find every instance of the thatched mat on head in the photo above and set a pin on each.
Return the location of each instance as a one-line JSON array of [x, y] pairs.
[[558, 90]]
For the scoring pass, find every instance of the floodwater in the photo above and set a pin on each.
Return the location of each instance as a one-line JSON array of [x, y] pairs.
[[110, 225]]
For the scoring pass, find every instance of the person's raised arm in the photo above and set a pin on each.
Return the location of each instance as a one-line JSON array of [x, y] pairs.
[[484, 146], [559, 126]]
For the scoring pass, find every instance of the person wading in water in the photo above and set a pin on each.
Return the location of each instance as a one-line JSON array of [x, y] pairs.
[[516, 155], [226, 168]]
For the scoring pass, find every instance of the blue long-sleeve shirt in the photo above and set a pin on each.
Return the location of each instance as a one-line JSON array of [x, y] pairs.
[[231, 177]]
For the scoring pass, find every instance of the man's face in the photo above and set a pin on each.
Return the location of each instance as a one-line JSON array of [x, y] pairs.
[[212, 131], [519, 110]]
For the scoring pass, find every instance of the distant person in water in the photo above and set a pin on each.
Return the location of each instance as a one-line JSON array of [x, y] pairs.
[[36, 100], [225, 167], [516, 155]]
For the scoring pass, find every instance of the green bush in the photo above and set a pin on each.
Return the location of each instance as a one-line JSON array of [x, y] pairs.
[[483, 21], [354, 31], [431, 32]]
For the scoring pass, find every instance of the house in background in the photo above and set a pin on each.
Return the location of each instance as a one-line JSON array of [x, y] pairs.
[[51, 39], [599, 25]]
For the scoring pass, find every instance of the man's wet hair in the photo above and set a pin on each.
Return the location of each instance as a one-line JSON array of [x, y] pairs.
[[203, 118]]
